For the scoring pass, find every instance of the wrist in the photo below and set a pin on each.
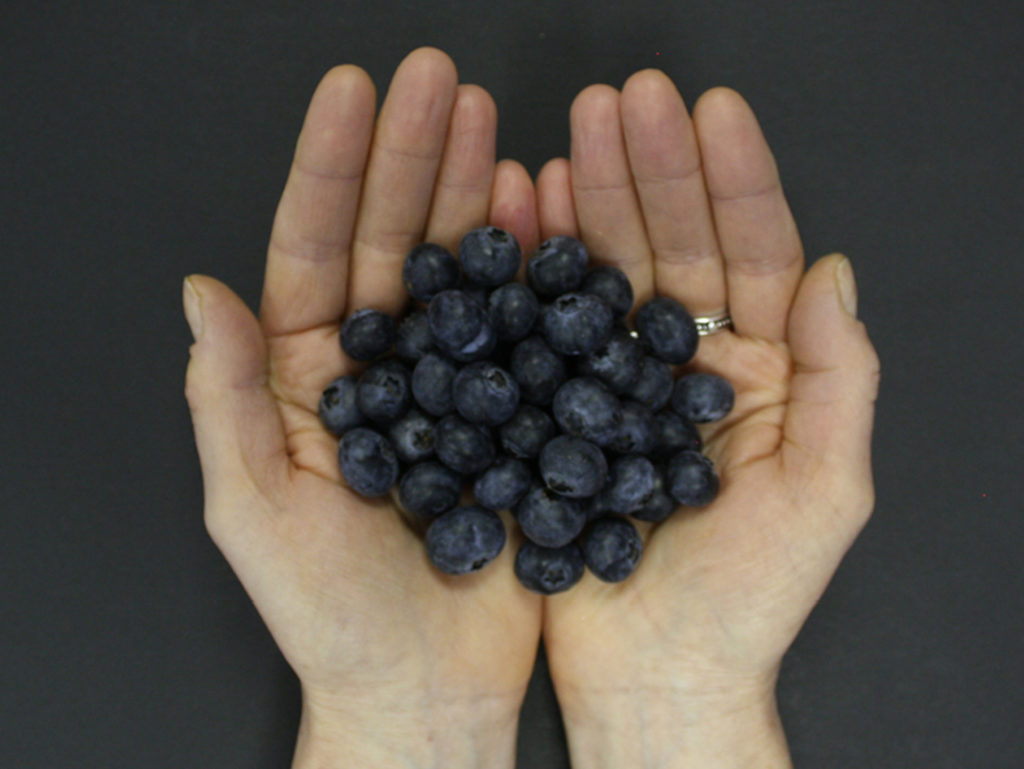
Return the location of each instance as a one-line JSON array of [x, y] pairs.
[[672, 727], [353, 735]]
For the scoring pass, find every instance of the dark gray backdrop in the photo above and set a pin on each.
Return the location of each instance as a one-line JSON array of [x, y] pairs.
[[143, 141]]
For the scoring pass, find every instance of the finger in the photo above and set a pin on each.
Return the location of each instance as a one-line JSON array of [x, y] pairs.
[[463, 192], [514, 205], [306, 273], [556, 211], [764, 259], [400, 177], [666, 166], [610, 220], [238, 429], [826, 446]]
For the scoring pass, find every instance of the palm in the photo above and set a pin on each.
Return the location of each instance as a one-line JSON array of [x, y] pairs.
[[342, 582], [720, 591], [725, 588], [350, 595]]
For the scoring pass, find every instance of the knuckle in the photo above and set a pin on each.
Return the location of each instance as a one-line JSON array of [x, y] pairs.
[[192, 388]]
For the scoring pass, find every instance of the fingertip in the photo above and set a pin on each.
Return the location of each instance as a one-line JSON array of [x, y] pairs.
[[343, 90], [823, 333], [475, 105], [721, 99], [339, 117], [472, 136], [554, 171], [431, 63], [346, 77], [594, 101], [648, 86], [192, 306], [232, 350]]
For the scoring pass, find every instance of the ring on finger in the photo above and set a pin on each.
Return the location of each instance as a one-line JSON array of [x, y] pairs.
[[712, 324]]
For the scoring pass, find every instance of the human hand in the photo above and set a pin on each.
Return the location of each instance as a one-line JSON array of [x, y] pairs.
[[676, 666], [399, 663]]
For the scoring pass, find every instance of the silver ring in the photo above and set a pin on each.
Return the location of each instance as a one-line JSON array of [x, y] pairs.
[[712, 324]]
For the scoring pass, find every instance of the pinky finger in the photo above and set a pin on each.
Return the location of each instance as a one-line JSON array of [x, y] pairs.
[[514, 204], [556, 210]]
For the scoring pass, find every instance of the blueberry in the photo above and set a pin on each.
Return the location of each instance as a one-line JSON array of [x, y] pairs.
[[584, 407], [672, 434], [428, 489], [593, 507], [659, 505], [612, 548], [464, 447], [573, 467], [367, 334], [548, 570], [460, 325], [412, 436], [503, 483], [432, 384], [428, 270], [549, 519], [489, 256], [631, 481], [414, 337], [384, 392], [485, 393], [338, 410], [538, 369], [690, 479], [612, 285], [616, 362], [558, 266], [481, 348], [477, 293], [367, 462], [513, 309], [702, 397], [637, 432], [667, 329], [653, 385], [525, 434], [576, 324], [465, 539]]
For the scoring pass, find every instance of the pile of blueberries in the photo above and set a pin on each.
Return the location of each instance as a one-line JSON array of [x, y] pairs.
[[536, 395]]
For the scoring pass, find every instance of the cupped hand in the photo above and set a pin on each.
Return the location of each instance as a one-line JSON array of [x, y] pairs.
[[693, 208], [378, 637]]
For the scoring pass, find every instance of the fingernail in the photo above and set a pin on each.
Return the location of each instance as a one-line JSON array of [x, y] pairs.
[[193, 313], [847, 287]]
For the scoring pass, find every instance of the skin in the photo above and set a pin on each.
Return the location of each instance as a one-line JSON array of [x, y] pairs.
[[675, 666], [388, 650]]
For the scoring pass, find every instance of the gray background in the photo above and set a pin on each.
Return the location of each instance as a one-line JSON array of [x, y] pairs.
[[143, 141]]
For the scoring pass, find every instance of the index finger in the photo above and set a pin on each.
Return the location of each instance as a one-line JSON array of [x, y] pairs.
[[307, 260], [764, 258]]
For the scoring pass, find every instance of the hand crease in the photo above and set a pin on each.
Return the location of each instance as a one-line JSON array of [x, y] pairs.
[[431, 156], [327, 174], [656, 179], [757, 192], [310, 249]]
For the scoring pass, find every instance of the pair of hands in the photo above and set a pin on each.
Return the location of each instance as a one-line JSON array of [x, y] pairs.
[[400, 664]]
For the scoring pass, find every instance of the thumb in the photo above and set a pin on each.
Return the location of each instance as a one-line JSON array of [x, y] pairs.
[[827, 432], [239, 433]]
